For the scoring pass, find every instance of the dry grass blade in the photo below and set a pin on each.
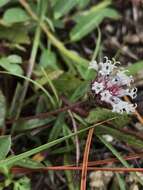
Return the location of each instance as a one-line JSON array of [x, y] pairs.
[[85, 160], [17, 170]]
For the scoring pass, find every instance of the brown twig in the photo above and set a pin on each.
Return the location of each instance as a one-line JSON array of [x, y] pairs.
[[47, 114], [17, 170], [85, 160], [72, 167]]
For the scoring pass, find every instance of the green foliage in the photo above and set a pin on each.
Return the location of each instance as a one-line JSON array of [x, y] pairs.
[[101, 114], [44, 58], [83, 3], [5, 145], [121, 182], [135, 68], [89, 21], [31, 124], [3, 2], [63, 7], [15, 59], [2, 109], [121, 136], [67, 83], [15, 15], [11, 65], [22, 184], [48, 59], [16, 34], [29, 163]]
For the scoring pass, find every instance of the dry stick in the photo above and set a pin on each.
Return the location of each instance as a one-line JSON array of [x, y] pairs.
[[47, 114], [85, 160], [139, 117], [79, 168], [110, 160], [93, 163]]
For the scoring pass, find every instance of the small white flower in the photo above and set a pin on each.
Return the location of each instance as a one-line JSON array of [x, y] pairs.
[[93, 65], [97, 87], [123, 106], [106, 67], [111, 85], [124, 79]]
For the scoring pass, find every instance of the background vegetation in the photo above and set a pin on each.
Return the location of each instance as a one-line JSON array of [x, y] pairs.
[[51, 128]]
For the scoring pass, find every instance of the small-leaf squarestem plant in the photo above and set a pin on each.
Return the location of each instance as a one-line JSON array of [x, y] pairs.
[[111, 84]]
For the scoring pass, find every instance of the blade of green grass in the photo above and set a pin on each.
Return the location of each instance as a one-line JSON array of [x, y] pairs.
[[33, 82], [121, 181], [13, 159]]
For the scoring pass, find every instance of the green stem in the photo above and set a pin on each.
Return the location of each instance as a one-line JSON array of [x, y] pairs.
[[68, 53], [30, 66], [30, 69]]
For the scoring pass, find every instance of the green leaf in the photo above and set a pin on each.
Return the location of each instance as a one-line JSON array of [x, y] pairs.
[[83, 3], [31, 124], [90, 21], [80, 91], [63, 150], [5, 144], [52, 75], [62, 7], [2, 109], [48, 59], [67, 83], [100, 114], [11, 67], [121, 181], [135, 68], [29, 163], [15, 59], [3, 2], [16, 34], [15, 15], [57, 128], [22, 184]]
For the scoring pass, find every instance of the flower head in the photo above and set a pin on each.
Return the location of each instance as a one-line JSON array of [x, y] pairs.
[[111, 84]]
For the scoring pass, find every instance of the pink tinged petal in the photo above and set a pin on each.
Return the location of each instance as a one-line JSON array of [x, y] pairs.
[[115, 90], [111, 85]]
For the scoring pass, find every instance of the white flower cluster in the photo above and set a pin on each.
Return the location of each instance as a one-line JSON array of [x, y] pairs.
[[111, 84]]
